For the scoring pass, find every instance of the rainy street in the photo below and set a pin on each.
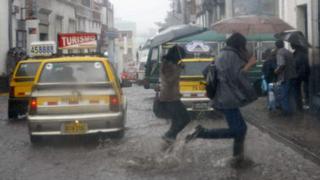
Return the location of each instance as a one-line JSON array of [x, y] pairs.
[[140, 154]]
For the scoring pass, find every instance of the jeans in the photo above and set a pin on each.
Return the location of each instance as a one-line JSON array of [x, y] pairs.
[[179, 117], [287, 92], [237, 130]]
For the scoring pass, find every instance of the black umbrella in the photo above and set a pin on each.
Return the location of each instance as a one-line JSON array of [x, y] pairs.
[[172, 33], [293, 37]]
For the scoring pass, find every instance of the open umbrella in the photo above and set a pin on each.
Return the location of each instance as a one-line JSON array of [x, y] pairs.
[[253, 24], [294, 37], [173, 33]]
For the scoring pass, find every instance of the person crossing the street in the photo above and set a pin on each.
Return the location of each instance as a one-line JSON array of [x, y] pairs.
[[233, 91], [170, 93]]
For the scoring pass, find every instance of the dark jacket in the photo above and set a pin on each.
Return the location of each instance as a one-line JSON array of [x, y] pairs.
[[234, 89], [285, 58], [302, 63]]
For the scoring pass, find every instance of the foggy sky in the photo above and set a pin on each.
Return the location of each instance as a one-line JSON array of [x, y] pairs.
[[144, 12]]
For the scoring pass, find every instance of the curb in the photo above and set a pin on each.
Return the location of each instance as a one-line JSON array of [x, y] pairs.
[[281, 137]]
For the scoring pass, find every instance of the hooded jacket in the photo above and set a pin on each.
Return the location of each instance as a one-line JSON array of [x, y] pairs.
[[234, 89]]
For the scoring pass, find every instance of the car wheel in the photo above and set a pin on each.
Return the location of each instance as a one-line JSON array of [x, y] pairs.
[[35, 139]]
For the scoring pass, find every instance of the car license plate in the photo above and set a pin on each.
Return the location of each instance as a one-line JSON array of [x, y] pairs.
[[75, 128], [200, 106], [71, 99], [198, 88]]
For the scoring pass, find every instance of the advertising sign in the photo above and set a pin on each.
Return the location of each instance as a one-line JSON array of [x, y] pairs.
[[43, 48], [197, 47], [77, 41]]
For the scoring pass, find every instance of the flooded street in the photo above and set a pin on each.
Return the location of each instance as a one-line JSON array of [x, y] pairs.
[[140, 155]]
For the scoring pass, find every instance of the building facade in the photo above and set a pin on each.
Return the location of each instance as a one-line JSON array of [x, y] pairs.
[[4, 31], [209, 12], [35, 20], [127, 44], [125, 50]]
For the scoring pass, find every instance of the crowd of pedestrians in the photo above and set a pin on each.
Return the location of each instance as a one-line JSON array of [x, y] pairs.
[[289, 74], [287, 71]]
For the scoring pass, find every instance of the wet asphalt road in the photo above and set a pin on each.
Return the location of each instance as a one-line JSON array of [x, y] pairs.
[[139, 156]]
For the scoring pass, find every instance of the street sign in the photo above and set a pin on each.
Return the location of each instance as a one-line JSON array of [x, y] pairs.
[[43, 48], [77, 40]]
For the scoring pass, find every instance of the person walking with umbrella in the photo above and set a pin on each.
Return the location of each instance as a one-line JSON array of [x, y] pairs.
[[303, 71], [170, 93], [233, 91]]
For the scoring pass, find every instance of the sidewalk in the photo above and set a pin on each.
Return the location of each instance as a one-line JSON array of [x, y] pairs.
[[301, 132]]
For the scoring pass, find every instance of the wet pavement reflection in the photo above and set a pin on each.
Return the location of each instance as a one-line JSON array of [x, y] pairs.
[[140, 154]]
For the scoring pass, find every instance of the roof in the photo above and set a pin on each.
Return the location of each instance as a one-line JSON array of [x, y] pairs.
[[212, 36], [29, 61], [75, 58], [205, 36]]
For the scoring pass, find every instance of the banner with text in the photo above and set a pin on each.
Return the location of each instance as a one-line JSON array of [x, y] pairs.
[[77, 41]]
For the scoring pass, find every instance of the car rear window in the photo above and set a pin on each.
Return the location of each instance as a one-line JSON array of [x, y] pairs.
[[27, 69], [73, 72], [194, 68]]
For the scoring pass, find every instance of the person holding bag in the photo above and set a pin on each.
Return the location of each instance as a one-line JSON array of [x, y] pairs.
[[170, 93], [233, 91]]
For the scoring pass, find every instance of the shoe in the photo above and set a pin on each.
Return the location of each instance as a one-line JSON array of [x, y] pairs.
[[194, 134]]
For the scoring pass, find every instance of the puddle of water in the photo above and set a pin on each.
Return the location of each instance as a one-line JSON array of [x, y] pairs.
[[172, 158]]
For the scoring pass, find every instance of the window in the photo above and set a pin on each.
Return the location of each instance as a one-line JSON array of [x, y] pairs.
[[26, 72], [72, 26], [21, 41], [194, 68], [43, 37], [73, 72], [86, 3], [58, 25]]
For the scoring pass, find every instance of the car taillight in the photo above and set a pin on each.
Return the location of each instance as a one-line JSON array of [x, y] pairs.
[[11, 92], [114, 103], [33, 106]]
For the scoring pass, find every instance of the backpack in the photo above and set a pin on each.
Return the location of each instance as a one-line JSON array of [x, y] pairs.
[[211, 77]]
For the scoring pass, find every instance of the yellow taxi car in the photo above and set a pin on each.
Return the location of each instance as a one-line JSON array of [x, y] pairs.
[[21, 84], [76, 95], [192, 85]]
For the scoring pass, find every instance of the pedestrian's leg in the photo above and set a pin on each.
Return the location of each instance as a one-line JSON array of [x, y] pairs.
[[167, 108], [180, 118], [306, 90], [297, 93], [238, 147], [285, 102], [237, 127]]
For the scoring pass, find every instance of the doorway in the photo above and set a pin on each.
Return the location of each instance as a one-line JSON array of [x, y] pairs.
[[302, 19]]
